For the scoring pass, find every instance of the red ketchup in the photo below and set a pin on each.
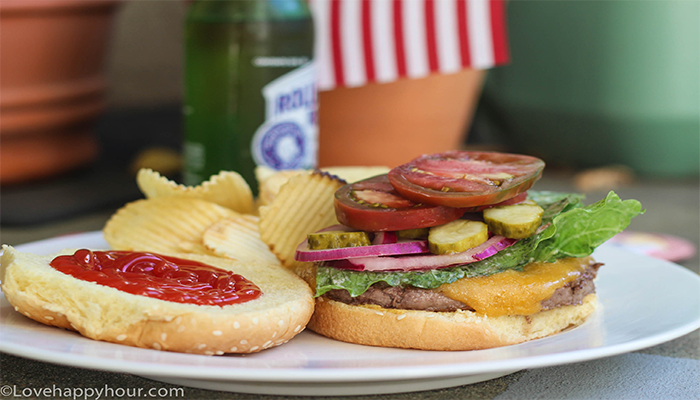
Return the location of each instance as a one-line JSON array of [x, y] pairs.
[[160, 277]]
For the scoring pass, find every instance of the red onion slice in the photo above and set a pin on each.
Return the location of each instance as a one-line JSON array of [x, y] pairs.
[[305, 254], [424, 262]]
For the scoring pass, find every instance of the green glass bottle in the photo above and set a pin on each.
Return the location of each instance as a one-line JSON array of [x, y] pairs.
[[250, 88]]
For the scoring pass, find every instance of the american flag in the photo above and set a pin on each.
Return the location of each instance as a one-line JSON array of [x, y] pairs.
[[366, 41]]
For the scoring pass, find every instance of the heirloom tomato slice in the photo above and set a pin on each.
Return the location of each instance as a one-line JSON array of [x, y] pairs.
[[465, 178], [373, 205]]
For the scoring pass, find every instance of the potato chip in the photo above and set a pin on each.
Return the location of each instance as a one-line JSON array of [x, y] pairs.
[[354, 174], [238, 238], [270, 186], [270, 181], [164, 225], [303, 205], [227, 189]]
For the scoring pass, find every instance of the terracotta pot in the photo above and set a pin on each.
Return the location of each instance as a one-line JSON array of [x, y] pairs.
[[52, 86], [390, 124]]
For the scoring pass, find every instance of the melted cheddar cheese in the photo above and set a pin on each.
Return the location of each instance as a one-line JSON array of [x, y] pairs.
[[515, 292]]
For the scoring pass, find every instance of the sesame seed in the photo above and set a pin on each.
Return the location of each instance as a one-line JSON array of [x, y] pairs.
[[243, 341], [181, 328], [217, 333], [121, 337], [156, 345], [73, 326], [16, 308], [168, 318], [379, 313], [400, 317], [178, 320], [48, 317], [254, 348], [267, 344], [298, 328], [201, 346], [219, 353], [236, 324], [234, 349], [209, 353], [281, 323], [255, 321], [274, 334], [27, 314], [163, 336]]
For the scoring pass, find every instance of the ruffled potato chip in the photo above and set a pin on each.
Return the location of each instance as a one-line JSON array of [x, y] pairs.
[[238, 238], [164, 225], [303, 205], [270, 181], [227, 189], [354, 174]]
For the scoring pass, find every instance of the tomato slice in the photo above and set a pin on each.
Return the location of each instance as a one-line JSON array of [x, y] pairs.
[[374, 205], [466, 178]]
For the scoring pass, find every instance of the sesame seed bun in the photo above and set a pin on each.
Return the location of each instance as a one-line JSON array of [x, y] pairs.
[[426, 330], [46, 295]]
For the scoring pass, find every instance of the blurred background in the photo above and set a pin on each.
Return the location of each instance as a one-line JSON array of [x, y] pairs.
[[607, 93]]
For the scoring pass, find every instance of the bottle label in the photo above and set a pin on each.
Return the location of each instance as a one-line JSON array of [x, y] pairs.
[[288, 138]]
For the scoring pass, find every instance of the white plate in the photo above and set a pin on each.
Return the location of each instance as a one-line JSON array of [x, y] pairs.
[[645, 302]]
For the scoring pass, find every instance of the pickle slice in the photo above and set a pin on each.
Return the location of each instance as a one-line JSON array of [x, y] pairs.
[[518, 221], [418, 233], [457, 236], [337, 240]]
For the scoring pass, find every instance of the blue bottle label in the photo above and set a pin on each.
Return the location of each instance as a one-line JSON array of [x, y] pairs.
[[288, 139]]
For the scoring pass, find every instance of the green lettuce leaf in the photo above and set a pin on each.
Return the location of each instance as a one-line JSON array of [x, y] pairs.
[[573, 231]]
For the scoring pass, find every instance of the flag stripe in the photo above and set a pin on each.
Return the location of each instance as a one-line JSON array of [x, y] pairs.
[[398, 39], [383, 35], [479, 25], [463, 32], [414, 38], [447, 36], [498, 32], [367, 40], [430, 36], [336, 43], [351, 37]]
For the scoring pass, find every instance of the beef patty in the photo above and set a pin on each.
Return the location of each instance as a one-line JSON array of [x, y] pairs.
[[411, 298]]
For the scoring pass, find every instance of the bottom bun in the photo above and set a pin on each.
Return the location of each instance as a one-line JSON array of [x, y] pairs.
[[46, 295], [462, 330]]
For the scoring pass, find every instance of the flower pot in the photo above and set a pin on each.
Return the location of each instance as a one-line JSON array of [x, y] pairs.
[[52, 86], [392, 123]]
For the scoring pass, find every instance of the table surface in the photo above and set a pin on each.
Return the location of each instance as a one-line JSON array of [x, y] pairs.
[[669, 370]]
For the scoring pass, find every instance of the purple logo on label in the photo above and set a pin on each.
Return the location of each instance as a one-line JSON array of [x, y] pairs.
[[282, 146]]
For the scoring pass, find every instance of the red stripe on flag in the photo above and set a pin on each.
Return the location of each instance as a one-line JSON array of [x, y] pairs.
[[430, 37], [337, 44], [498, 32], [398, 39], [464, 50], [367, 39]]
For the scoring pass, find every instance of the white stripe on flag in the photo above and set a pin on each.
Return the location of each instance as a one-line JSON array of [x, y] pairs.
[[447, 36], [480, 40], [414, 38], [351, 40], [322, 52], [383, 41]]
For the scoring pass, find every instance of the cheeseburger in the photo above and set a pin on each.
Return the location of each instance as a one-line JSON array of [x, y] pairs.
[[454, 251]]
